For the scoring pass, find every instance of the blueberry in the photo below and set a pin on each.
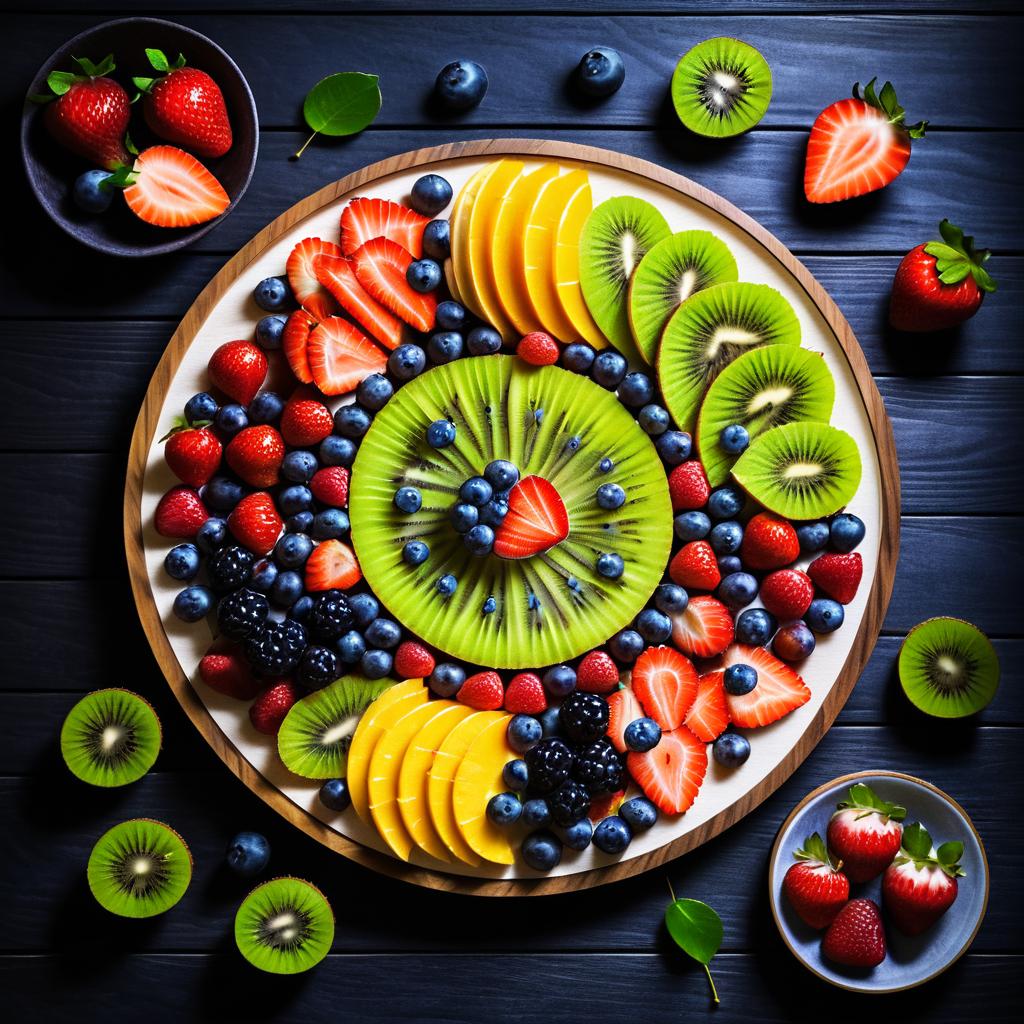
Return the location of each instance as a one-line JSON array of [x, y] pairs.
[[351, 647], [542, 851], [610, 497], [825, 615], [447, 585], [300, 522], [559, 680], [536, 812], [272, 294], [578, 357], [731, 749], [415, 552], [737, 589], [446, 680], [578, 835], [734, 439], [793, 642], [501, 475], [642, 735], [231, 419], [444, 346], [182, 562], [407, 361], [600, 72], [213, 534], [451, 316], [728, 564], [437, 244], [504, 809], [264, 572], [489, 607], [266, 407], [408, 500], [638, 813], [440, 433], [430, 194], [90, 193], [609, 368], [739, 679], [463, 517], [726, 538], [336, 451], [351, 421], [383, 633], [813, 537], [460, 85], [269, 331], [610, 565], [479, 540], [725, 503], [691, 526], [636, 389], [374, 391], [301, 609], [193, 603], [299, 467], [846, 531], [375, 664], [626, 645], [365, 608], [293, 499], [292, 550], [516, 775], [612, 834], [673, 447], [200, 408], [330, 524], [287, 588], [423, 275], [653, 420], [551, 721], [606, 465], [483, 341], [494, 512], [755, 627], [248, 854], [654, 626], [334, 795], [524, 731], [476, 491]]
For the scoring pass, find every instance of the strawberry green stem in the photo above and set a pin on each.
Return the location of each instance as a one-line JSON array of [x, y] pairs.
[[304, 145]]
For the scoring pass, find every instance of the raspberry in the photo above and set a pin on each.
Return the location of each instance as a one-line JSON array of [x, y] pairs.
[[227, 672], [413, 661], [597, 673], [270, 707]]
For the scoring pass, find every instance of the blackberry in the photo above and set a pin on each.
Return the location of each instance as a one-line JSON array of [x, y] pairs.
[[598, 767], [276, 648], [569, 803], [584, 716], [549, 764], [318, 667], [242, 613], [331, 615], [229, 568]]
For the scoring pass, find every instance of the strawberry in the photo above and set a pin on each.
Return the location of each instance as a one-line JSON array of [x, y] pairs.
[[779, 688], [665, 683], [330, 486], [695, 566], [227, 672], [704, 629], [769, 542], [170, 188], [305, 422], [856, 937], [301, 268], [526, 695], [294, 342], [268, 711], [538, 349], [380, 267], [940, 284], [688, 486], [858, 145], [256, 454], [332, 565], [193, 454], [536, 520], [482, 691], [671, 774], [340, 356], [623, 708], [239, 369], [185, 105], [255, 523], [787, 593], [413, 661], [179, 513], [709, 714], [814, 885], [865, 831], [335, 273], [366, 219], [837, 575], [921, 883], [603, 806], [597, 673]]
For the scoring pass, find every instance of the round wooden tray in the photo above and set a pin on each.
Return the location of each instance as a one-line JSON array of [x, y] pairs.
[[223, 310]]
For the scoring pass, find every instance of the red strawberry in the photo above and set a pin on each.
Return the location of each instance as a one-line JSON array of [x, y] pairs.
[[921, 883], [301, 268], [305, 422], [814, 885], [665, 683], [838, 575], [332, 565], [688, 486], [536, 520], [856, 937], [708, 717], [787, 593], [366, 219], [525, 695], [255, 523], [255, 454], [227, 672], [704, 629], [482, 691], [779, 689], [335, 273], [193, 454], [268, 711], [340, 356], [413, 661], [239, 369], [671, 774], [538, 349], [380, 267], [185, 106], [865, 831], [294, 342], [170, 188], [597, 673], [603, 806], [695, 566], [769, 542], [940, 284], [180, 513], [330, 486], [623, 708]]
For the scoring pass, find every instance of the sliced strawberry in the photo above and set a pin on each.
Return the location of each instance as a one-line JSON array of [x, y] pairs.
[[779, 689], [671, 774], [364, 219], [623, 708], [172, 189], [294, 340], [709, 715], [310, 292], [332, 566], [704, 629], [536, 520], [602, 806], [335, 273], [666, 684], [340, 356], [380, 265]]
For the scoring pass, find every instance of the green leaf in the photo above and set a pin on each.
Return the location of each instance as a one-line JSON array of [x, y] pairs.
[[341, 104], [697, 930], [143, 84], [130, 146], [955, 273], [862, 797], [813, 849], [941, 251], [983, 278], [916, 841], [951, 234], [158, 60], [949, 854], [61, 81]]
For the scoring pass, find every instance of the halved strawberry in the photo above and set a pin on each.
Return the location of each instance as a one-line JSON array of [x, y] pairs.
[[332, 566], [623, 708], [336, 275], [364, 219], [779, 689], [172, 189], [294, 340], [709, 715], [340, 356], [310, 293], [380, 267], [671, 774], [536, 520], [665, 683], [704, 629]]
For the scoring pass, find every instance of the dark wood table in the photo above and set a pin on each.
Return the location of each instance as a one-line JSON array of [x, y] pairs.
[[81, 334]]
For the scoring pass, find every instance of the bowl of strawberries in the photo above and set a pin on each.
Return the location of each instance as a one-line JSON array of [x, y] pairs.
[[139, 136]]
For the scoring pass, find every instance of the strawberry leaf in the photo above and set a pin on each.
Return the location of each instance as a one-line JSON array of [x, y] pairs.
[[941, 251], [158, 60], [863, 798], [91, 70], [814, 849], [954, 273], [341, 104], [697, 930], [61, 81], [982, 277], [143, 84], [916, 841], [949, 854]]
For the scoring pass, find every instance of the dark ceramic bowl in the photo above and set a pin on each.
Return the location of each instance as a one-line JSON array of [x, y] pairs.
[[52, 169]]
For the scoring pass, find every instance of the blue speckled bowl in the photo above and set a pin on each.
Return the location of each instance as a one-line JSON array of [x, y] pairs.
[[909, 961]]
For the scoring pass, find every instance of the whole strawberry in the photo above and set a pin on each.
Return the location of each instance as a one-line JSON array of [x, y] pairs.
[[483, 691], [769, 542], [939, 284], [305, 422], [255, 524], [688, 486], [837, 575], [787, 593], [815, 885], [193, 454], [695, 566], [256, 454], [413, 661], [865, 833], [268, 710], [330, 486], [526, 694], [227, 672], [597, 673], [238, 368], [538, 349], [185, 106], [180, 513], [921, 883], [856, 937]]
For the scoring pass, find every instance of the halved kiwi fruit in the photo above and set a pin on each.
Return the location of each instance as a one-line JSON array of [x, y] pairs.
[[110, 738], [669, 274], [712, 328], [801, 470], [317, 731], [761, 389], [948, 668], [615, 238], [284, 926], [549, 423], [139, 868], [721, 87]]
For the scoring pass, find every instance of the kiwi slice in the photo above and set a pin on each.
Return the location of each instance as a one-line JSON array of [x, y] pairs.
[[615, 238], [110, 738], [948, 668], [550, 423], [800, 470], [721, 87], [316, 733], [139, 868], [284, 926], [763, 388], [709, 331]]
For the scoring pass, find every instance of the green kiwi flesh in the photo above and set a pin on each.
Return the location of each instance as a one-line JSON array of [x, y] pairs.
[[548, 422], [316, 733], [721, 87], [669, 274], [284, 926], [763, 388], [801, 470], [139, 868], [948, 668], [110, 738]]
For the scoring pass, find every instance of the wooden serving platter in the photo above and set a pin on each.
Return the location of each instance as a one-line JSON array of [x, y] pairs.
[[224, 310]]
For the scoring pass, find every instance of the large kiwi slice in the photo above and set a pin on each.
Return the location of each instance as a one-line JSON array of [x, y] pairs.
[[139, 868], [801, 470], [110, 738], [316, 733], [948, 668], [669, 274], [549, 423], [721, 87], [284, 926], [709, 331], [615, 238], [761, 389]]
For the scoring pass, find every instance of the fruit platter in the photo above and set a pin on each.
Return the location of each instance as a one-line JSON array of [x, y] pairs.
[[512, 516]]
